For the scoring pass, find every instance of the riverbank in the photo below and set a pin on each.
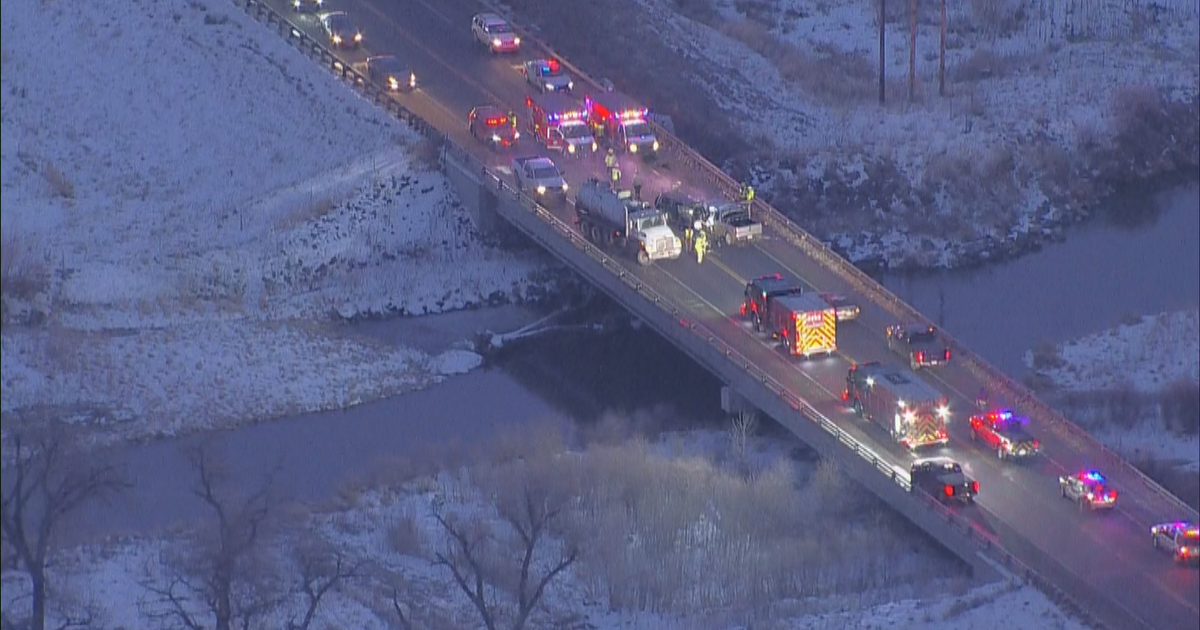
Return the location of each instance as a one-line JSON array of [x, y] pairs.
[[1136, 386], [181, 251], [1048, 112]]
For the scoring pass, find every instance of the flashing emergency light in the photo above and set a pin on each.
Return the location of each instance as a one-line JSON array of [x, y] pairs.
[[870, 381], [1093, 475], [943, 411], [552, 65], [632, 114]]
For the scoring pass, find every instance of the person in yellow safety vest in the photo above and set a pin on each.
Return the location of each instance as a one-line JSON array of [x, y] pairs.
[[512, 119], [610, 159], [687, 239], [701, 247], [616, 176]]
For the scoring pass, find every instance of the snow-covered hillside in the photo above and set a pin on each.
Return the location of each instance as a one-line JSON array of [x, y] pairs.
[[1135, 386], [186, 198], [1047, 106]]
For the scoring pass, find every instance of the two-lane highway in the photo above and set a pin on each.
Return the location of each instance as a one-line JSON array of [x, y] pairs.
[[1104, 561]]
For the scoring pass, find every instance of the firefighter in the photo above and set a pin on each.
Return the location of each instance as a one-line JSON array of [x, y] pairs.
[[981, 400], [746, 194], [701, 247], [512, 119], [687, 238], [614, 170]]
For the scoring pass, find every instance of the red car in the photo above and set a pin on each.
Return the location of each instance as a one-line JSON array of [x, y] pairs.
[[494, 126], [1005, 432]]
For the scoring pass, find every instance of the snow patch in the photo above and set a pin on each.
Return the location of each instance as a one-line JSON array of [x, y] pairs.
[[455, 362]]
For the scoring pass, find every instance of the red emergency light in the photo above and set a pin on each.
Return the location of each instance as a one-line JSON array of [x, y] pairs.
[[497, 121], [552, 64], [565, 116]]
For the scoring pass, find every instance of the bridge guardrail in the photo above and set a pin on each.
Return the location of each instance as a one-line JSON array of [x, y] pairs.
[[452, 151], [996, 381]]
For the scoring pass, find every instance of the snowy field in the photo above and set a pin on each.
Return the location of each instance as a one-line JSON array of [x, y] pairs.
[[1044, 109], [673, 504], [1142, 373], [188, 213]]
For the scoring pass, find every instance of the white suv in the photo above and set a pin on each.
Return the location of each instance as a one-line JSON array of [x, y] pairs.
[[494, 33]]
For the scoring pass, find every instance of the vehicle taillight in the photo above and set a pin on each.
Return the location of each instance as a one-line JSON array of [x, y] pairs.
[[975, 487], [947, 354], [743, 310], [1036, 444], [949, 489], [920, 355], [845, 394], [1183, 551]]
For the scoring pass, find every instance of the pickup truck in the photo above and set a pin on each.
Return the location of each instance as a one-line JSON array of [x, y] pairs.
[[943, 479], [919, 343], [731, 224], [539, 176]]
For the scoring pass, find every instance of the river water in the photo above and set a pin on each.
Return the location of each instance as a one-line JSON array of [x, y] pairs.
[[1099, 275], [1102, 273]]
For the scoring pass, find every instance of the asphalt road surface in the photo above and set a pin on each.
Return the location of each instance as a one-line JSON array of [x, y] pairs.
[[1104, 561]]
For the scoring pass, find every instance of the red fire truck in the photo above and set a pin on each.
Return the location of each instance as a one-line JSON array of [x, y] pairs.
[[560, 123], [804, 322], [912, 411], [621, 122]]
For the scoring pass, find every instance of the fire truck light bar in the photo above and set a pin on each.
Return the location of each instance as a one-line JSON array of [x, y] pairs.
[[633, 114]]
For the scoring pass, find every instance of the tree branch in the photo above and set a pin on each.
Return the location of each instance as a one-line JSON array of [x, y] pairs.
[[466, 548]]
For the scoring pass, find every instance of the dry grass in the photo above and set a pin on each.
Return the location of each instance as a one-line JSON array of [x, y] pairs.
[[828, 72], [1180, 406], [983, 64], [405, 536], [311, 209], [998, 18], [23, 270], [60, 186]]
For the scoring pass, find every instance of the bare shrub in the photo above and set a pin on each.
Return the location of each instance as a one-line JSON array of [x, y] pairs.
[[405, 535], [998, 18], [1045, 356], [1122, 406], [428, 153], [60, 186], [1180, 405], [983, 64], [22, 265]]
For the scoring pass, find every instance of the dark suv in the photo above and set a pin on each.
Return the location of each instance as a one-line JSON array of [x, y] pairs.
[[943, 479]]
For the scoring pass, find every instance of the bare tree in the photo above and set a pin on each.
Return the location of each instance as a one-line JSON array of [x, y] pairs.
[[46, 481], [226, 578], [531, 506], [740, 431], [323, 568]]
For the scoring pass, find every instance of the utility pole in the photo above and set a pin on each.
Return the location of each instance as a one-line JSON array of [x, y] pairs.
[[882, 47], [942, 55], [912, 51]]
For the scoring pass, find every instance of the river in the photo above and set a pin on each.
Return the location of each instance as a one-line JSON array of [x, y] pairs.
[[1101, 273]]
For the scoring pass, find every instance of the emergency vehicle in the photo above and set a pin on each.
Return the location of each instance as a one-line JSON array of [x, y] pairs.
[[1181, 539], [560, 123], [621, 122], [759, 291], [913, 412], [1090, 489], [804, 322], [546, 75], [492, 125]]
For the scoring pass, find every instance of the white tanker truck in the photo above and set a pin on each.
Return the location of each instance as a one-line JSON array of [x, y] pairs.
[[608, 217]]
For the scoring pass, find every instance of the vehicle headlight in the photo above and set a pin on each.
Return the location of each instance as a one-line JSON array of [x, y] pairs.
[[337, 39], [412, 80], [570, 148], [564, 186], [393, 83], [549, 86], [633, 148], [517, 41], [358, 37], [516, 135], [296, 3], [656, 145], [594, 146], [495, 137], [570, 85], [496, 42], [541, 190]]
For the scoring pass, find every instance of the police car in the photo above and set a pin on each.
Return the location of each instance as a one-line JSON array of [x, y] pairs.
[[1090, 489], [546, 75], [1181, 539]]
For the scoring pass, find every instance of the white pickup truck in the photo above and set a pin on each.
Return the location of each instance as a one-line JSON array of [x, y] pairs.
[[539, 176]]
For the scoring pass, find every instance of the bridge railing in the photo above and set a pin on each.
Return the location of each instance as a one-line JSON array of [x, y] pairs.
[[995, 380], [468, 163]]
